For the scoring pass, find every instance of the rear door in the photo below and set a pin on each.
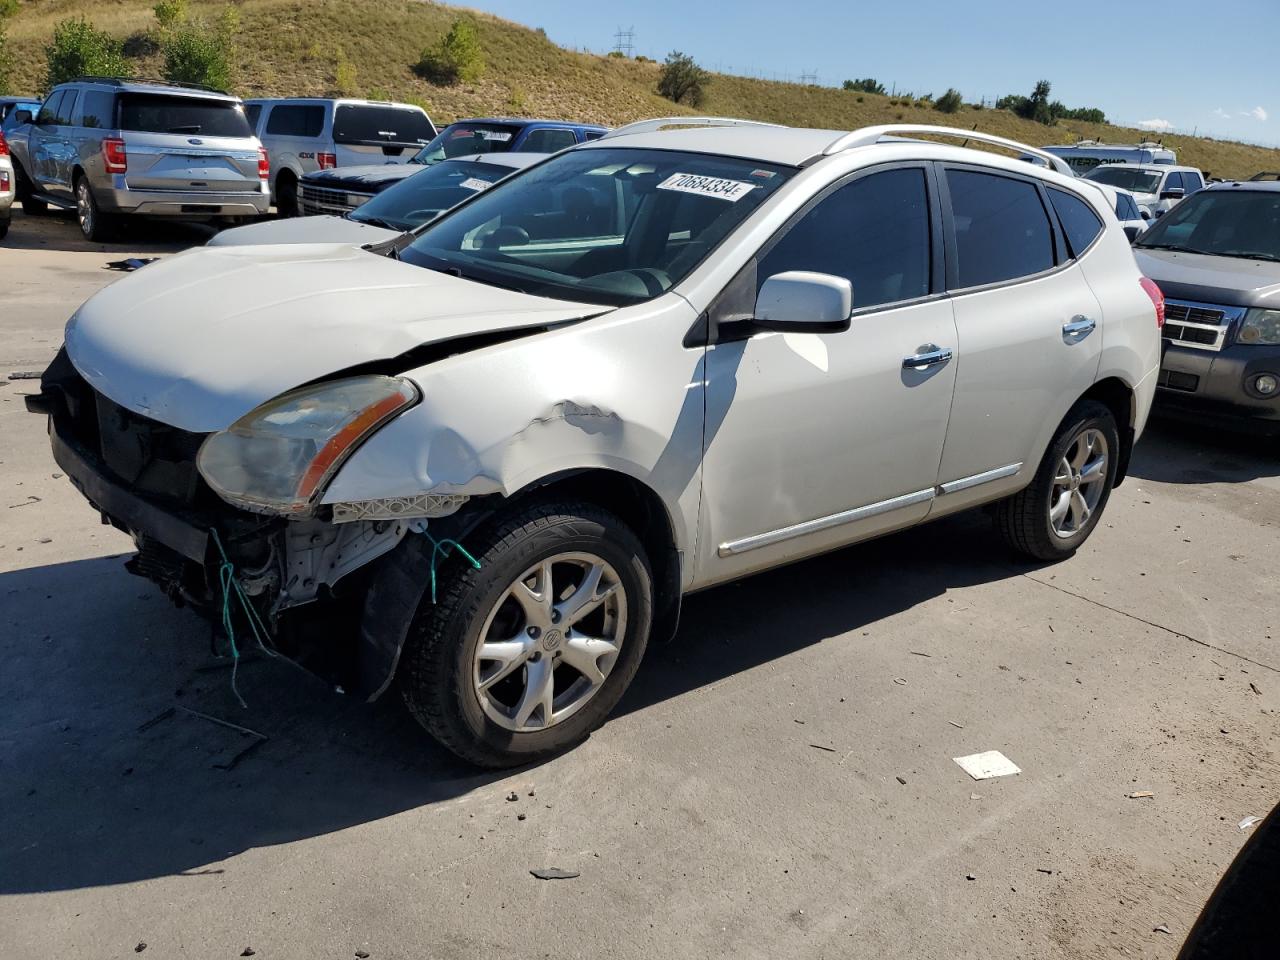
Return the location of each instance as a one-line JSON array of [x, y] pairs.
[[187, 144], [365, 133], [1029, 330], [294, 134]]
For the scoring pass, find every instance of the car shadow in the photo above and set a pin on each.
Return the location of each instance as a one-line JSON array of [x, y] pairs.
[[1172, 451], [57, 230], [114, 766]]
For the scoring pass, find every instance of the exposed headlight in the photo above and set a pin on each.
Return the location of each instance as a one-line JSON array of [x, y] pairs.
[[1260, 326], [277, 458]]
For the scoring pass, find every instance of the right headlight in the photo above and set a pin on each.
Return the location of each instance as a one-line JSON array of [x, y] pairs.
[[279, 457], [1261, 327]]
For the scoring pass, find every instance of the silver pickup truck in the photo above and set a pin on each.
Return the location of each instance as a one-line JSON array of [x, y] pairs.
[[107, 147]]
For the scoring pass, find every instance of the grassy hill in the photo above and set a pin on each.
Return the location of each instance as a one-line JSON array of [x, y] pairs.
[[295, 47]]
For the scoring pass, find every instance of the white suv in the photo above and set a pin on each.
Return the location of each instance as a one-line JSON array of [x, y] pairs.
[[1156, 187], [490, 457], [306, 134]]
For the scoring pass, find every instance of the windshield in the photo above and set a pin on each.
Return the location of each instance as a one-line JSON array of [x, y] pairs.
[[466, 139], [616, 226], [1224, 223], [164, 113], [1127, 178], [425, 195]]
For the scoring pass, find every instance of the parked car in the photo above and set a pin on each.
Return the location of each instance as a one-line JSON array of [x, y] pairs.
[[7, 186], [336, 191], [408, 204], [507, 444], [1133, 220], [1086, 155], [108, 148], [1156, 187], [306, 134], [1217, 258], [9, 106]]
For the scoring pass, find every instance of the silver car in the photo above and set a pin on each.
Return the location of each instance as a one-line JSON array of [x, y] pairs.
[[108, 148], [489, 458]]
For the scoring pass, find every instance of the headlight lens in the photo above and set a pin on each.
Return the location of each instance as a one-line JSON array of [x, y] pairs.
[[276, 458], [1260, 326]]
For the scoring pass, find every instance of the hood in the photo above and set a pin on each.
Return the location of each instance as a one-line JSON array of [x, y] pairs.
[[200, 339], [373, 177], [303, 230], [1229, 281]]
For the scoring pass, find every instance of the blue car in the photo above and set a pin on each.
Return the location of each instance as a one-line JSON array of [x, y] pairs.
[[345, 188]]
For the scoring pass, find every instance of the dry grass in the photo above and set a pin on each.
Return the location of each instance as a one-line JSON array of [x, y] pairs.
[[294, 47]]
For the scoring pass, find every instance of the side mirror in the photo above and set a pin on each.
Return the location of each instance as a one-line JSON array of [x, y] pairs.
[[1177, 193], [1146, 214], [22, 116], [797, 302]]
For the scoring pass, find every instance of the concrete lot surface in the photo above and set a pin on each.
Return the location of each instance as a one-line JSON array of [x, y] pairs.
[[778, 783]]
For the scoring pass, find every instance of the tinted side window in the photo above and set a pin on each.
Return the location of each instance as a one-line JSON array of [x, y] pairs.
[[548, 140], [1079, 222], [295, 120], [97, 109], [48, 115], [1192, 181], [1126, 209], [1002, 230], [252, 111], [1173, 182], [874, 231]]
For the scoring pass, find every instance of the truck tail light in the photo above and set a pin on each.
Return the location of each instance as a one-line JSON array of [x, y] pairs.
[[327, 161], [4, 145], [4, 181], [113, 155], [1157, 299], [264, 164]]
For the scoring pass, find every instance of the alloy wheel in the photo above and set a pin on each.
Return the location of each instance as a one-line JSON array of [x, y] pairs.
[[1078, 483], [84, 208], [550, 642]]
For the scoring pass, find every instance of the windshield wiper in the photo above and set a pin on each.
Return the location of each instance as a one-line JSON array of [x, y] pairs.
[[1165, 246], [457, 272], [376, 222], [1248, 256]]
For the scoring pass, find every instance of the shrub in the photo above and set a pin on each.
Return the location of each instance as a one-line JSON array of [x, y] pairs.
[[867, 85], [682, 80], [860, 99], [344, 78], [376, 93], [515, 100], [196, 52], [8, 8], [949, 102], [616, 55], [170, 13], [79, 49], [458, 57]]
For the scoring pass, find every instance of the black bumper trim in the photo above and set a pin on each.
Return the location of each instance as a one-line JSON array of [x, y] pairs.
[[125, 507]]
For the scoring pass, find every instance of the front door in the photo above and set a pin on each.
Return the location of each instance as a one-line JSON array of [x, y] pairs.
[[812, 441]]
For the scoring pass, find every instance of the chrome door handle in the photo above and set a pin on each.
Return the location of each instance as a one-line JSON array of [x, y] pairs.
[[931, 357], [1079, 328]]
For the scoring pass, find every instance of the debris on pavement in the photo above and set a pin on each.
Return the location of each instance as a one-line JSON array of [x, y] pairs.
[[142, 945], [1044, 870], [362, 955], [975, 796], [160, 717], [1254, 687], [818, 746], [258, 738], [132, 263], [1248, 822], [522, 816], [512, 797], [970, 876], [1160, 928], [900, 681], [25, 374], [986, 765], [31, 498], [958, 726], [1140, 795], [225, 723], [901, 781], [918, 653], [248, 952], [554, 873]]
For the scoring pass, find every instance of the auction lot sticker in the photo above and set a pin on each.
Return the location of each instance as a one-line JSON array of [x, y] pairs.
[[475, 183], [731, 190]]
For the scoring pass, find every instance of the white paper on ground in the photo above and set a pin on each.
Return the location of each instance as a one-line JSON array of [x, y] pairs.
[[984, 766]]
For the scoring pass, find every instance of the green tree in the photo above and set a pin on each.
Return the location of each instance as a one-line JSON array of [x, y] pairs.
[[79, 49], [7, 9], [866, 85], [949, 102], [683, 81], [197, 52], [458, 57], [170, 13]]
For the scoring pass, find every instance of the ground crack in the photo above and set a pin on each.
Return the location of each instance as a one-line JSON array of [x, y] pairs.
[[1152, 623]]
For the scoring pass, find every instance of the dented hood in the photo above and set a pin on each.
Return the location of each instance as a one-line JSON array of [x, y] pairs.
[[201, 338]]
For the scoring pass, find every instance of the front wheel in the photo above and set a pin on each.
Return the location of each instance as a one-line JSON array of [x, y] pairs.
[[525, 656], [1054, 514]]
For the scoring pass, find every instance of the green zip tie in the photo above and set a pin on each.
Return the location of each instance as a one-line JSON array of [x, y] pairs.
[[440, 549], [231, 586]]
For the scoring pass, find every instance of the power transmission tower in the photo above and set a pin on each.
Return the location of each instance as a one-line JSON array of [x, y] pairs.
[[624, 40], [809, 79]]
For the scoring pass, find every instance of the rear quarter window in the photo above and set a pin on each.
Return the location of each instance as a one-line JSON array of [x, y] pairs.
[[295, 120], [96, 109], [548, 140], [1002, 230], [1079, 222], [360, 123], [188, 116]]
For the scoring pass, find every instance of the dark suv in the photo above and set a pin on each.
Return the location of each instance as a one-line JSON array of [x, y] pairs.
[[1216, 256]]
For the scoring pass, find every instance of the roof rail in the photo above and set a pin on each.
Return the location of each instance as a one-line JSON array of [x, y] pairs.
[[661, 123], [870, 135], [122, 81]]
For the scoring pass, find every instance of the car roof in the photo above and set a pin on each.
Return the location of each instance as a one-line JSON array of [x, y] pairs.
[[790, 146], [336, 100], [515, 159], [1247, 186], [530, 121], [123, 85]]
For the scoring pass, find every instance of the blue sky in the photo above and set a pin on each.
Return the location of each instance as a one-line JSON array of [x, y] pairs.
[[1170, 64]]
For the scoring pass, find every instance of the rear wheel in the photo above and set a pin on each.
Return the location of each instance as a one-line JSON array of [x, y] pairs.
[[287, 194], [94, 224], [4, 227], [528, 654], [1054, 514]]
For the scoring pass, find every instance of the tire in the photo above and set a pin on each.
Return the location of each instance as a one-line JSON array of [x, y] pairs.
[[1026, 521], [4, 227], [96, 226], [26, 193], [441, 676], [287, 194]]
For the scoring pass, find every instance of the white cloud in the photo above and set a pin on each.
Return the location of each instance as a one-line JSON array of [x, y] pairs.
[[1219, 112], [1160, 126], [1257, 113]]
